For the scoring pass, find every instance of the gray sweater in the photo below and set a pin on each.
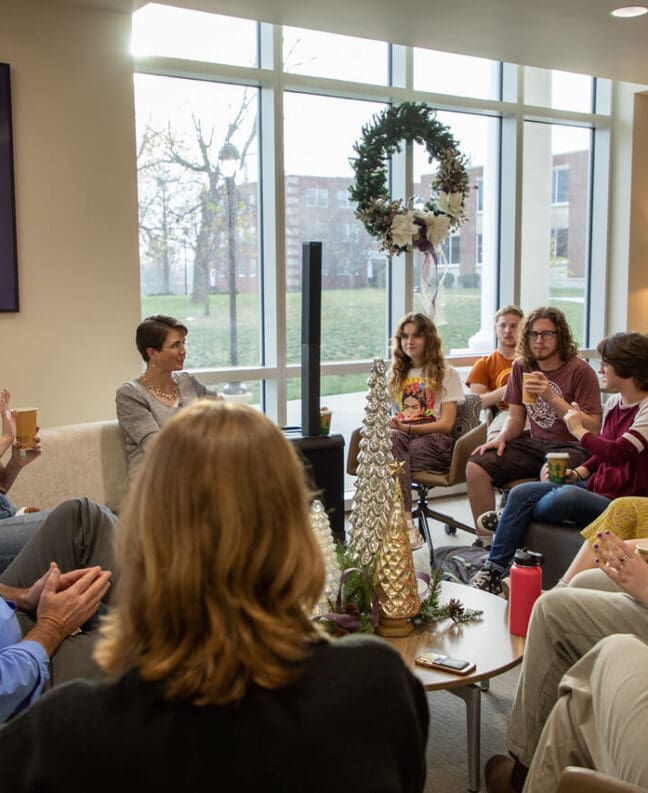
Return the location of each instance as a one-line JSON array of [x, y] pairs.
[[141, 415]]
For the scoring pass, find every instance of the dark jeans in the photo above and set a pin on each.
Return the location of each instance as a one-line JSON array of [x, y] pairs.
[[540, 501]]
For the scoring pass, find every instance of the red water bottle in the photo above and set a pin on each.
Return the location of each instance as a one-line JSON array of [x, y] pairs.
[[525, 588]]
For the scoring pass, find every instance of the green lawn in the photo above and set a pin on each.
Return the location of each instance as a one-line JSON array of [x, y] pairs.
[[352, 328]]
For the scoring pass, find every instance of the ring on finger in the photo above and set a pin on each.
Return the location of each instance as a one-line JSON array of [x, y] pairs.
[[622, 559]]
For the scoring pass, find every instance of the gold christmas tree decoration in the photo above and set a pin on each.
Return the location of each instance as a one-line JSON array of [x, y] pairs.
[[395, 576], [322, 528], [372, 501]]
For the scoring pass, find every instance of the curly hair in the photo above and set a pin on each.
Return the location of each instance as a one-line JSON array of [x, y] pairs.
[[566, 348], [219, 567], [434, 365], [627, 354]]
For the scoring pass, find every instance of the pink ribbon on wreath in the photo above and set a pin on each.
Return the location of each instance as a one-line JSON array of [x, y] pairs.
[[430, 258]]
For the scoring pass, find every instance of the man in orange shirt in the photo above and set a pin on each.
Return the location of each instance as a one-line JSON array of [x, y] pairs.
[[489, 375]]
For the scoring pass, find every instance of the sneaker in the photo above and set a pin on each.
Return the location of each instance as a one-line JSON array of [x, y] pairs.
[[488, 579], [416, 541], [487, 523], [506, 587]]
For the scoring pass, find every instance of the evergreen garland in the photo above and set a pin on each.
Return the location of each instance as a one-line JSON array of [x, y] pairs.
[[381, 138]]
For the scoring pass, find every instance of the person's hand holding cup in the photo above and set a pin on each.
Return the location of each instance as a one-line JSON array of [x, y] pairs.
[[532, 386], [557, 463], [26, 420], [27, 443]]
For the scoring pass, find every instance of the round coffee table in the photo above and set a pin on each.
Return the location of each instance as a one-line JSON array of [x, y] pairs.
[[487, 643]]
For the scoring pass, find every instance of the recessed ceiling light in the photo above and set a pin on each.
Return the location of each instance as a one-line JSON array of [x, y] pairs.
[[629, 11]]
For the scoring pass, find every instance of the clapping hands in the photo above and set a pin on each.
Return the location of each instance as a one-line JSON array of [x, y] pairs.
[[574, 420]]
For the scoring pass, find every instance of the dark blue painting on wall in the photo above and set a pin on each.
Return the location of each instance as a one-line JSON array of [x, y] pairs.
[[8, 259]]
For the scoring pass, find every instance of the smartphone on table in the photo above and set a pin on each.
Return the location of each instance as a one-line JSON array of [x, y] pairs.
[[445, 663]]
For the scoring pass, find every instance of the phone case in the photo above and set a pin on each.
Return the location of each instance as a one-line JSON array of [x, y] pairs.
[[445, 664]]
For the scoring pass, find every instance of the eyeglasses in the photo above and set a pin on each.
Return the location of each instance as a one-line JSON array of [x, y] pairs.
[[177, 345], [541, 334]]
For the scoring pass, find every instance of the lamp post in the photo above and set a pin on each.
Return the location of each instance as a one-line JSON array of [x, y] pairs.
[[228, 159]]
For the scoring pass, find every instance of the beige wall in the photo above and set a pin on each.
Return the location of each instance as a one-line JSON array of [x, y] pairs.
[[638, 256], [71, 344]]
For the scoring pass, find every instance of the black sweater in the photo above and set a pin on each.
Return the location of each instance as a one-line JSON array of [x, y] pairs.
[[356, 720]]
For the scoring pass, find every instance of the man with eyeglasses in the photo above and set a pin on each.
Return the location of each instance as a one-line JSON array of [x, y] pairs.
[[546, 349]]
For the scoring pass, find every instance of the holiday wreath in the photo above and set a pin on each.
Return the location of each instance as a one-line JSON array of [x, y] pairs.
[[398, 226]]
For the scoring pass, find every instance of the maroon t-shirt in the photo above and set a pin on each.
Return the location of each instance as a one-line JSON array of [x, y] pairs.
[[574, 381]]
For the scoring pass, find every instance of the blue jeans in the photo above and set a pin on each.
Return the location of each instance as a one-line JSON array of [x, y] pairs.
[[542, 501]]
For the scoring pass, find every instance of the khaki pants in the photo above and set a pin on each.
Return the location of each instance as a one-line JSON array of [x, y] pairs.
[[599, 719], [565, 625]]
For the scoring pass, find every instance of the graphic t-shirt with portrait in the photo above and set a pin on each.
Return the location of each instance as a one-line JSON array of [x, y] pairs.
[[419, 402]]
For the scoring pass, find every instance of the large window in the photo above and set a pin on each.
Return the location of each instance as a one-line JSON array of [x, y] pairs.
[[181, 33], [454, 284], [245, 135], [461, 75], [556, 221], [198, 180], [559, 90], [319, 133]]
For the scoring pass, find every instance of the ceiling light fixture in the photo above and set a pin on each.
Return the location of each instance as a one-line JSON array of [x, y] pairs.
[[626, 12]]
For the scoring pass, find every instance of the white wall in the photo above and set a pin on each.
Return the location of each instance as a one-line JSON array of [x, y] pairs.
[[638, 265], [71, 345]]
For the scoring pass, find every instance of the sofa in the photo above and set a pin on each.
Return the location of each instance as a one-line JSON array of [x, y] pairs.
[[77, 460], [558, 542], [90, 460]]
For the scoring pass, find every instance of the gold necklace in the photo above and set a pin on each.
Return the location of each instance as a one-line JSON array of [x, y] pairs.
[[174, 394]]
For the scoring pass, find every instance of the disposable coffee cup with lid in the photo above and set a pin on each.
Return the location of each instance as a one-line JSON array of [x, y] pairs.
[[557, 463]]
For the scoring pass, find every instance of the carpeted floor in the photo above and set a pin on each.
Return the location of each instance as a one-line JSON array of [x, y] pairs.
[[446, 750], [446, 755]]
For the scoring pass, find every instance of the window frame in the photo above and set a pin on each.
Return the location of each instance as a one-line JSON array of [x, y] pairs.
[[273, 82]]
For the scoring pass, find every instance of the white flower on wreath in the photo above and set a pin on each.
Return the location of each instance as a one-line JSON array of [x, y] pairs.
[[437, 227], [450, 203], [403, 229]]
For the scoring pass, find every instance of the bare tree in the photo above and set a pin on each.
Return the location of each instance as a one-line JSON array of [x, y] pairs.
[[202, 161]]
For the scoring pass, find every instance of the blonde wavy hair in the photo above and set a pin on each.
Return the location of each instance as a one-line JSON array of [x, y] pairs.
[[219, 567], [434, 365]]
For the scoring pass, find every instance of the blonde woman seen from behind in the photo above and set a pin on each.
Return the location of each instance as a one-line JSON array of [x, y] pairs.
[[215, 667]]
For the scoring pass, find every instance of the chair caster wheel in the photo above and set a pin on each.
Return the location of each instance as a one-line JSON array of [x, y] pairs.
[[450, 529]]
